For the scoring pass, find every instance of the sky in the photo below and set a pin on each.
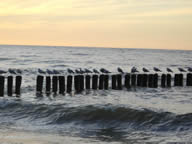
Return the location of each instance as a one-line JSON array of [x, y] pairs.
[[161, 24]]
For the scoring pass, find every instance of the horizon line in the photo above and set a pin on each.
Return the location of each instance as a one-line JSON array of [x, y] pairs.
[[93, 47]]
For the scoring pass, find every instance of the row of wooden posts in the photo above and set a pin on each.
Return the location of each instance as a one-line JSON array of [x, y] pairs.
[[64, 84], [78, 83], [18, 80]]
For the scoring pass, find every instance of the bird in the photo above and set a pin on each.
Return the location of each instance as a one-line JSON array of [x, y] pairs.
[[145, 70], [189, 69], [79, 71], [70, 71], [49, 71], [156, 69], [56, 72], [120, 70], [104, 70], [2, 72], [95, 71], [87, 71], [169, 70], [18, 71], [12, 71], [41, 71], [181, 70], [134, 69]]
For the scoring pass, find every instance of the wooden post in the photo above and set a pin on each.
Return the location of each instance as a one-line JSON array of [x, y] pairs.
[[168, 80], [9, 85], [39, 84], [61, 85], [139, 80], [82, 83], [127, 81], [119, 82], [150, 80], [69, 83], [2, 81], [189, 79], [55, 84], [48, 85], [133, 80], [145, 80], [77, 83], [181, 79], [176, 80], [18, 85], [163, 80], [114, 81], [94, 82], [155, 80], [88, 82], [101, 82], [106, 82]]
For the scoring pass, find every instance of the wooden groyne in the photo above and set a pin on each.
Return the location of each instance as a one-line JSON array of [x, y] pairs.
[[77, 83]]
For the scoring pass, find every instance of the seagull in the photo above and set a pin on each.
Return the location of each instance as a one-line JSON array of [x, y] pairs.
[[104, 70], [70, 71], [181, 70], [134, 69], [120, 70], [79, 71], [41, 71], [87, 71], [12, 71], [55, 72], [95, 71], [145, 70], [189, 69], [2, 72], [18, 71], [49, 71], [156, 69], [169, 70]]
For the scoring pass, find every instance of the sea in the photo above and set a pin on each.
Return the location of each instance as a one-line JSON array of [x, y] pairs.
[[133, 116]]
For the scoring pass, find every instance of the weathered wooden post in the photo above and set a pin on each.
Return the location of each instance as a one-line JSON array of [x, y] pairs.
[[119, 82], [77, 83], [101, 82], [88, 82], [82, 83], [163, 80], [181, 79], [168, 80], [189, 79], [133, 80], [9, 85], [39, 84], [94, 82], [2, 81], [114, 81], [139, 80], [150, 81], [106, 82], [145, 80], [69, 83], [155, 80], [61, 85], [55, 84], [18, 85], [127, 81], [48, 85]]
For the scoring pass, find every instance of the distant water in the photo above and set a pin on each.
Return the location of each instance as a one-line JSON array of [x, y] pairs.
[[137, 116]]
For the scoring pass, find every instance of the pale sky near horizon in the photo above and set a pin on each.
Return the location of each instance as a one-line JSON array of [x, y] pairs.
[[165, 24]]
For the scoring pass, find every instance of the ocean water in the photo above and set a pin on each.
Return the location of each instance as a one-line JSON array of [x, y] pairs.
[[141, 115]]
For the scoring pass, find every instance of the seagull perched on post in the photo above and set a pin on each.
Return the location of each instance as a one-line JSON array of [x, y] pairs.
[[134, 69], [87, 71], [104, 70], [95, 71], [189, 69], [40, 71], [156, 69], [2, 72], [12, 71], [70, 71], [145, 70], [181, 70], [169, 70], [120, 70]]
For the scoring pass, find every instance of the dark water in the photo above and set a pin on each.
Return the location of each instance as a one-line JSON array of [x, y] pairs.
[[142, 115]]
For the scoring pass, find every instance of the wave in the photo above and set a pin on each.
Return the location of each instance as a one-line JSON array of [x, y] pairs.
[[125, 117]]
